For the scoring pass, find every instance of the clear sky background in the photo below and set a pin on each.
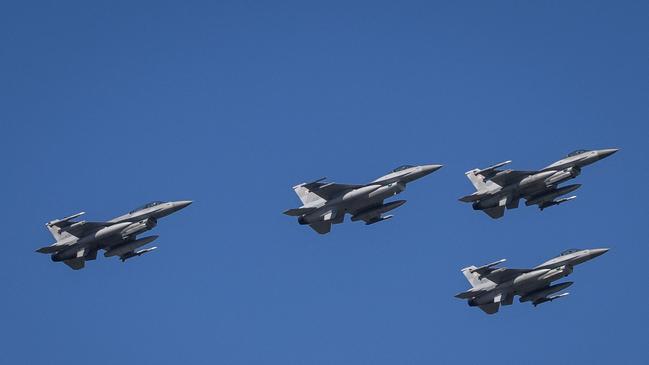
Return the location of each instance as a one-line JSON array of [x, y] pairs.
[[105, 106]]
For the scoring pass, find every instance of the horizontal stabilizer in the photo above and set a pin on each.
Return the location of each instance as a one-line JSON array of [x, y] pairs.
[[495, 212], [471, 198], [322, 227], [469, 294], [296, 212], [490, 308], [76, 264], [51, 249], [48, 249]]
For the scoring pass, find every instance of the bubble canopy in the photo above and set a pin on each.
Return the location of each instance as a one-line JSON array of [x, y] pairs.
[[148, 205], [569, 251], [577, 152], [402, 167]]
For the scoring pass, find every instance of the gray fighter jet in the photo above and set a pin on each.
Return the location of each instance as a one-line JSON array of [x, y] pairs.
[[493, 286], [326, 203], [500, 189], [79, 241]]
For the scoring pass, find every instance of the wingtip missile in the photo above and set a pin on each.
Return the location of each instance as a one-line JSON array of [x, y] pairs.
[[310, 183], [487, 266], [56, 221], [490, 168]]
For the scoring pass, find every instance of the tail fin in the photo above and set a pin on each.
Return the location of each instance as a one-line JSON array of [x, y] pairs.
[[59, 233], [471, 276], [56, 232], [479, 182], [306, 195], [57, 226]]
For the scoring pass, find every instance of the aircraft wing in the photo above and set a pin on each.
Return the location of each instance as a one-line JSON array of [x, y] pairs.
[[328, 191], [498, 274], [508, 177], [502, 275], [76, 228], [87, 227]]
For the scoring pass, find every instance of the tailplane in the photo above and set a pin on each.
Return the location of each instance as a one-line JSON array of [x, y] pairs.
[[491, 308]]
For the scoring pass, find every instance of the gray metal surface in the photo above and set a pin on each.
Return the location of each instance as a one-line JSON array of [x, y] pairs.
[[498, 190], [326, 203], [493, 286], [79, 241]]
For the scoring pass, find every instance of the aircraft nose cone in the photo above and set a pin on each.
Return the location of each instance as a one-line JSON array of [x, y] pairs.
[[598, 252], [427, 169], [606, 152], [182, 204]]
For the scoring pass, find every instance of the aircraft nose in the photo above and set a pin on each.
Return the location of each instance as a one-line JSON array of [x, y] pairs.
[[598, 252], [182, 204], [606, 152], [427, 169]]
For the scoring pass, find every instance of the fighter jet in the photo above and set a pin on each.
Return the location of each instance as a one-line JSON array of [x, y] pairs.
[[493, 286], [79, 241], [500, 189], [326, 203]]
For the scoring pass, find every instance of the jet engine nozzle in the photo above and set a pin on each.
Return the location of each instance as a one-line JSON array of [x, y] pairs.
[[68, 254]]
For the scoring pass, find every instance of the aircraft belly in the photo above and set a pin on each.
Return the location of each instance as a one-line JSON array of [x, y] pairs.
[[363, 205], [111, 242], [529, 287]]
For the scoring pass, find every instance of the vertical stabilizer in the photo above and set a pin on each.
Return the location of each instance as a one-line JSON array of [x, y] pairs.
[[480, 183], [306, 195], [471, 276]]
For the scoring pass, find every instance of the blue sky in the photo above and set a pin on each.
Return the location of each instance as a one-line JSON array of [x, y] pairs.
[[108, 106]]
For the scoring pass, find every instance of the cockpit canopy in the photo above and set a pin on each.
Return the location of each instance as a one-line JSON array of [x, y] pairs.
[[402, 167], [569, 251], [145, 206], [577, 152]]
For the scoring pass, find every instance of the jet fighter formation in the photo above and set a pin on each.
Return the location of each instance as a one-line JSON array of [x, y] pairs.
[[324, 204], [493, 286], [500, 189], [327, 203], [79, 241]]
